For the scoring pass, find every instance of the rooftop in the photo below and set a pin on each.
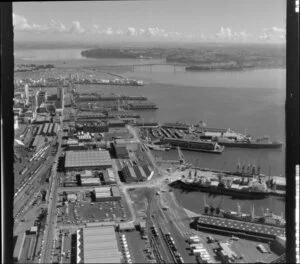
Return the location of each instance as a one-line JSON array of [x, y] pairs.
[[87, 158], [100, 245]]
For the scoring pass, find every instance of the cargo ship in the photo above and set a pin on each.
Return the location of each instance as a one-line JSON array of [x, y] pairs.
[[268, 217], [142, 106], [194, 145], [242, 192], [163, 147], [249, 186], [230, 138]]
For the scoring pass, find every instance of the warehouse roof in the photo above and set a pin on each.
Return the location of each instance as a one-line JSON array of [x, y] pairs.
[[87, 158], [100, 245], [115, 191]]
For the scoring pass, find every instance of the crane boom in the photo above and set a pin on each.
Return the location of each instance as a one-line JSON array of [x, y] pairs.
[[180, 154]]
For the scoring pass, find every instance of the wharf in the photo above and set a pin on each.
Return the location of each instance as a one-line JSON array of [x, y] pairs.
[[238, 228]]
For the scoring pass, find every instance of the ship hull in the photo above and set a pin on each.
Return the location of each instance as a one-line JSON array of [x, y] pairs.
[[251, 145], [201, 150], [219, 191]]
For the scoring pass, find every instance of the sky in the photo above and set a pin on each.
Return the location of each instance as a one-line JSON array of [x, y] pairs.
[[233, 21]]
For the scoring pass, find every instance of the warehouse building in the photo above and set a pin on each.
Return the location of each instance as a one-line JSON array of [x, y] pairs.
[[19, 247], [87, 160], [92, 126], [90, 182], [131, 145], [99, 245], [135, 173], [121, 152], [109, 177], [86, 174], [129, 226], [105, 194], [116, 123]]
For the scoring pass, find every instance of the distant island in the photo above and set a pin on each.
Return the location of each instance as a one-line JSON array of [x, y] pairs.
[[32, 67], [204, 57]]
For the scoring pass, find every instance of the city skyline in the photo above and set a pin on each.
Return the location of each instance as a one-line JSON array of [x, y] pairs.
[[229, 21]]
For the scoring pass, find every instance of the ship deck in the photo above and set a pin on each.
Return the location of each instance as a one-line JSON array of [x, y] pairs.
[[239, 226]]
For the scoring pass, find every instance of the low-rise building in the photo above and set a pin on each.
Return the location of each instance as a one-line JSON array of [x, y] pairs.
[[91, 160], [90, 182], [109, 176], [72, 197]]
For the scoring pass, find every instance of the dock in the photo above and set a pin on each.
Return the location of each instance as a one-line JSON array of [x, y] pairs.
[[237, 228]]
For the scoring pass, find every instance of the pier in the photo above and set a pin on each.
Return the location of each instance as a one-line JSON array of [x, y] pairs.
[[237, 228]]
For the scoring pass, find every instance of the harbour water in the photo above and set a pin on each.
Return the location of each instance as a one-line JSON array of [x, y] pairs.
[[251, 101]]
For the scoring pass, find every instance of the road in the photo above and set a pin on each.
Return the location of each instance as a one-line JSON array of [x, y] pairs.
[[147, 150], [52, 217]]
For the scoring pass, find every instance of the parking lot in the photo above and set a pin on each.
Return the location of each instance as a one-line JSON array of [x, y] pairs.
[[243, 248], [84, 212], [136, 246]]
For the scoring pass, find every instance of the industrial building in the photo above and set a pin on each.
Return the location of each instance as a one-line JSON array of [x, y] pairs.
[[109, 177], [99, 245], [41, 98], [90, 115], [87, 160], [90, 182], [121, 152], [71, 197], [104, 194], [131, 145], [177, 125], [86, 174], [135, 173], [19, 246], [129, 226], [91, 126], [116, 123]]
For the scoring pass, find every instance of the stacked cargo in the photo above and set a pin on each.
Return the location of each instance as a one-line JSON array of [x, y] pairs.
[[198, 249]]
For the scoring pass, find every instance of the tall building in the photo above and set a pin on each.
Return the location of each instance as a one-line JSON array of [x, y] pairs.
[[61, 95], [26, 92], [41, 98], [16, 122]]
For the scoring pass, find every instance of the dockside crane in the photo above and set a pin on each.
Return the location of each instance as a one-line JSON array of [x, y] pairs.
[[181, 157], [206, 206]]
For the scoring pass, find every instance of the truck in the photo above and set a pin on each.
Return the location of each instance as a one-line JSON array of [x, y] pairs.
[[194, 245], [197, 252]]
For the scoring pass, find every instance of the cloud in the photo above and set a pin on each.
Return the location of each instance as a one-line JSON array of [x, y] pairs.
[[272, 34], [20, 22], [57, 27], [224, 33], [279, 30], [227, 33], [131, 31], [53, 26], [77, 28]]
